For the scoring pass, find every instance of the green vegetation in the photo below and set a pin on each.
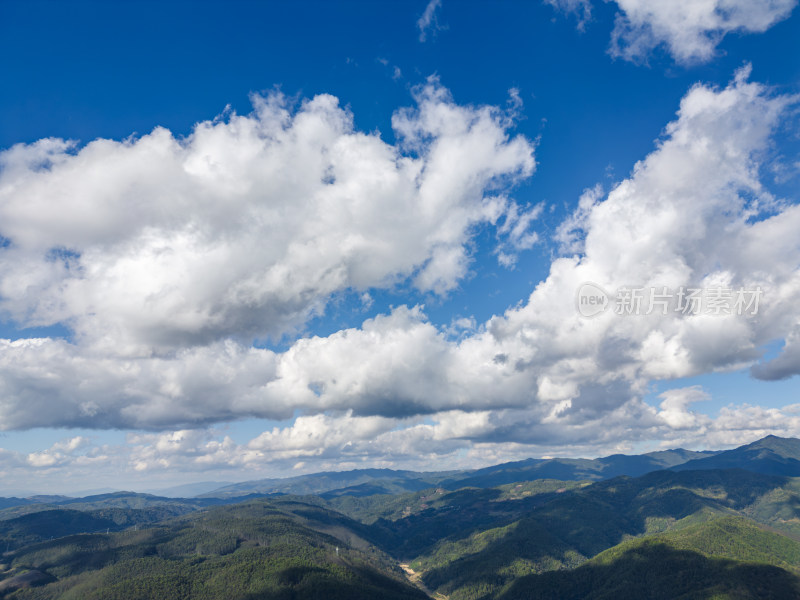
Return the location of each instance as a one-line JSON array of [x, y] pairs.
[[263, 549], [732, 537], [696, 534], [728, 558], [771, 455], [55, 523], [655, 571], [580, 523]]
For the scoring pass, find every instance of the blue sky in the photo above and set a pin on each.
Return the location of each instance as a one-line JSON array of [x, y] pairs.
[[325, 235]]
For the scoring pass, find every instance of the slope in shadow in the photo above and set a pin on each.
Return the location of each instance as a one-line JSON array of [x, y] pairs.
[[656, 571]]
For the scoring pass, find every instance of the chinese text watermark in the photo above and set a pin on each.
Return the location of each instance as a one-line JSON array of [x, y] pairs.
[[592, 300]]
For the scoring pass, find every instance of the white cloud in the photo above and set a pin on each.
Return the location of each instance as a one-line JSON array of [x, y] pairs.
[[786, 364], [735, 425], [428, 21], [395, 365], [448, 440], [52, 383], [315, 435], [517, 226], [314, 442], [570, 234], [690, 30], [246, 227], [582, 9], [77, 450], [692, 213], [675, 403], [188, 450]]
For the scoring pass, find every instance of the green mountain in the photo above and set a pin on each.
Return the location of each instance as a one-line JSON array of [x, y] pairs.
[[367, 482], [573, 469], [151, 508], [59, 522], [413, 524], [669, 533], [578, 524], [260, 549], [771, 455], [11, 502], [318, 483], [189, 490], [726, 558]]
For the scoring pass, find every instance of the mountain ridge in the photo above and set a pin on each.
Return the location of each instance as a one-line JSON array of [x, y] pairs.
[[771, 455], [361, 481], [720, 531]]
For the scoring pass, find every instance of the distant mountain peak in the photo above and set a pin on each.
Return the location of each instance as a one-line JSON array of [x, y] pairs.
[[776, 437], [771, 455], [786, 447]]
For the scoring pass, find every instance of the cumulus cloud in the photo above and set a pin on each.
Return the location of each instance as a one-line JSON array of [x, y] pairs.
[[394, 365], [450, 440], [246, 227], [692, 214], [59, 454], [674, 406], [786, 364], [188, 450], [689, 30], [572, 231], [734, 425], [51, 383], [313, 442]]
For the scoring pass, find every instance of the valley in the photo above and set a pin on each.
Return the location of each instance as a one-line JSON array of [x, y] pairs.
[[718, 533]]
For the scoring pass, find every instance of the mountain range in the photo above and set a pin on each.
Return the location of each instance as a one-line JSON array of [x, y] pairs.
[[771, 455], [671, 524]]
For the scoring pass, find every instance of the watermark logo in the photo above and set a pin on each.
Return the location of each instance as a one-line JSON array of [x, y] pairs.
[[593, 300]]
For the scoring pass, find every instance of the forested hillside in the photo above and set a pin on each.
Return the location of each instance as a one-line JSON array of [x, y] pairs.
[[708, 533], [260, 549]]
